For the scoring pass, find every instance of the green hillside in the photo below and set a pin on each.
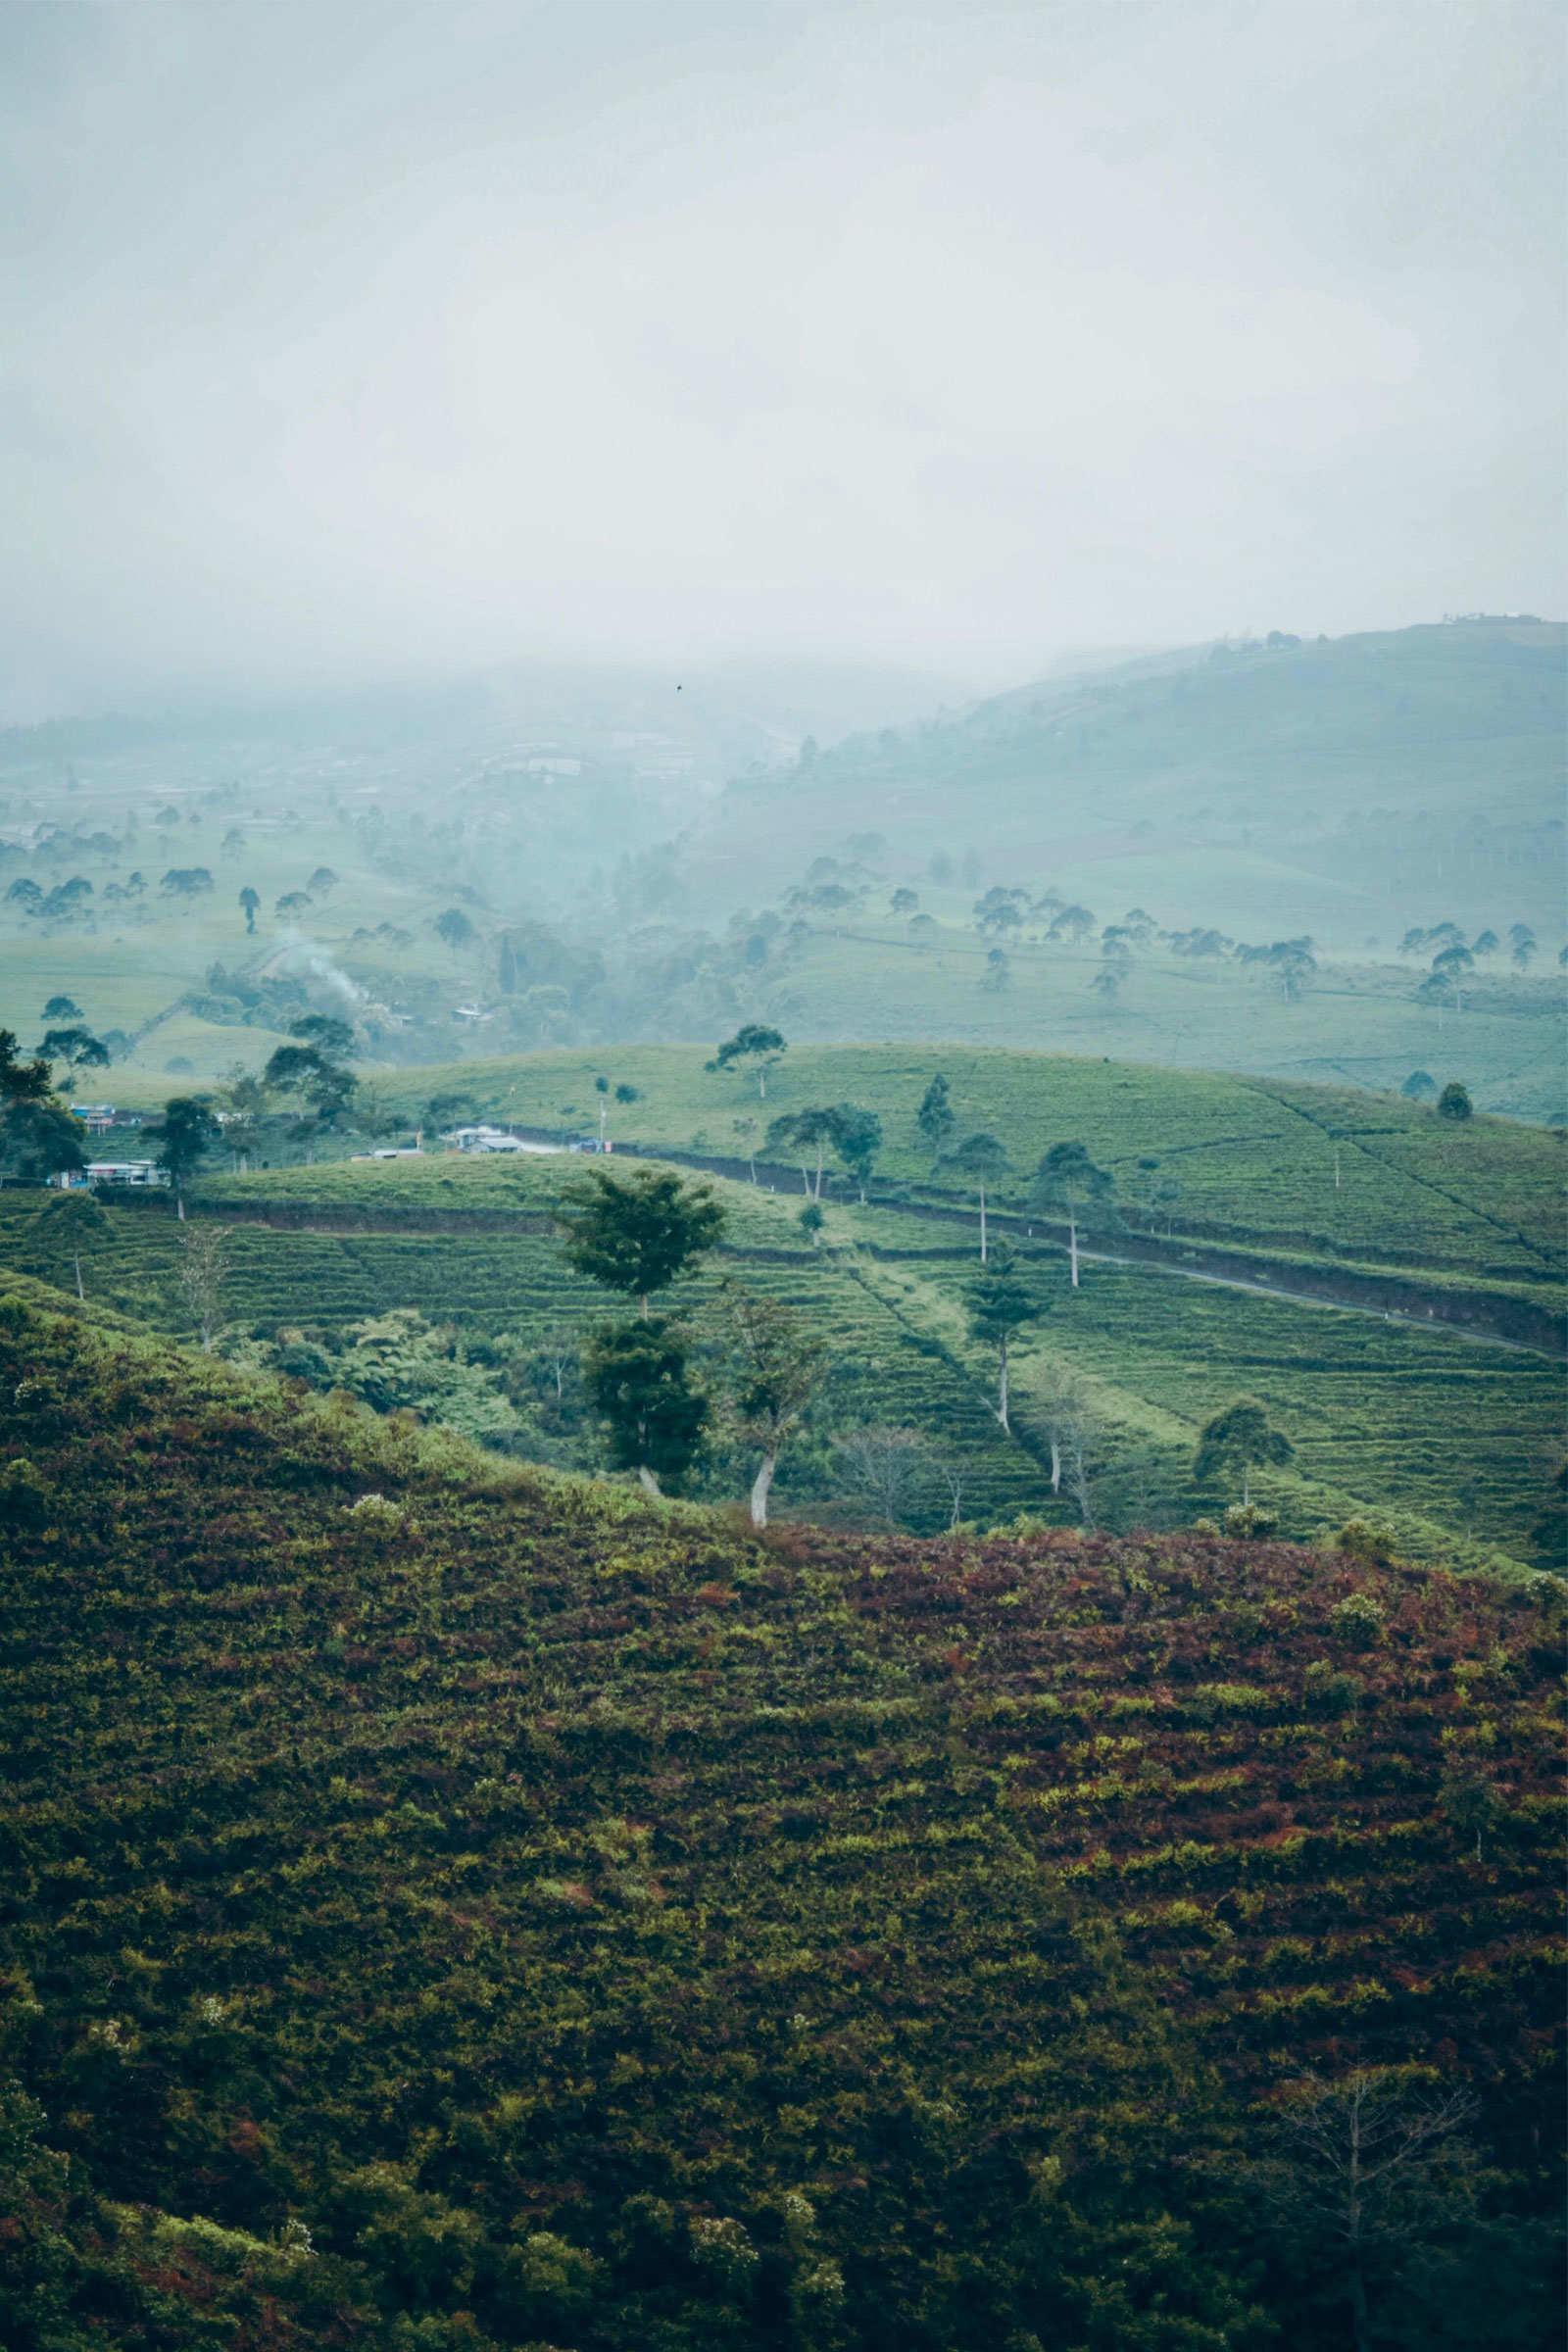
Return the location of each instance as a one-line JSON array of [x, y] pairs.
[[1447, 1438], [445, 1907], [1330, 1172], [1345, 783]]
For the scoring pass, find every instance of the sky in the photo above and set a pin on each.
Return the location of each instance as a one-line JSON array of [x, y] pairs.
[[359, 339]]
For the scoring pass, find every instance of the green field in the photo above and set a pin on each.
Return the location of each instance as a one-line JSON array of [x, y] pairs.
[[1453, 1438], [1329, 1172]]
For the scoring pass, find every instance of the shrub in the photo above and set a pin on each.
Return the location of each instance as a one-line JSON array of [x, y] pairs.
[[24, 1497], [1328, 1690], [1250, 1520], [1363, 1540], [1359, 1620]]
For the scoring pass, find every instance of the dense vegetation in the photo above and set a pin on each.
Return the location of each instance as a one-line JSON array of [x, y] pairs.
[[447, 1907]]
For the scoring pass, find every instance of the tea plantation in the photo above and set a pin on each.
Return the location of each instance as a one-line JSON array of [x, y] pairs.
[[445, 1906]]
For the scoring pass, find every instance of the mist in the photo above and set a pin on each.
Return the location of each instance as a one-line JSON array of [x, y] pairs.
[[355, 342]]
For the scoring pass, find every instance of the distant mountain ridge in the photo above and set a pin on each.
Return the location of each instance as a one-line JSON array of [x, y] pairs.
[[1430, 754]]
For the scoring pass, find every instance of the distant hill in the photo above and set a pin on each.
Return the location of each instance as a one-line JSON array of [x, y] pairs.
[[446, 1907], [1388, 770]]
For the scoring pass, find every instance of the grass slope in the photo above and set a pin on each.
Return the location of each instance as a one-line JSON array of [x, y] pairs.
[[1256, 1160], [447, 1907], [1453, 1438]]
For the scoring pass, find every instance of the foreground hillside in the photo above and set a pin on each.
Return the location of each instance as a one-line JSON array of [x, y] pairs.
[[446, 1907]]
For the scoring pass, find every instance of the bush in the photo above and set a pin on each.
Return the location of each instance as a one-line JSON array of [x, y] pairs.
[[24, 1497], [1364, 1540], [1454, 1102], [1359, 1620], [1250, 1520], [1328, 1690]]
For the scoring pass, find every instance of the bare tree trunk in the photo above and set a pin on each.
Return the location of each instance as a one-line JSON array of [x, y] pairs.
[[1055, 1463], [752, 1163], [76, 1262], [1072, 1248], [179, 1206], [761, 1487], [647, 1479], [982, 1224], [818, 1194], [1002, 1390]]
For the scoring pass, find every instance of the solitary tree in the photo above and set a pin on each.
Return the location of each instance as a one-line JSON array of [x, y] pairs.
[[1000, 1305], [880, 1466], [324, 1031], [250, 900], [1068, 1184], [454, 928], [74, 1221], [639, 1377], [778, 1366], [637, 1234], [1419, 1087], [305, 1069], [1454, 1102], [190, 1132], [754, 1046], [203, 1270], [76, 1046], [935, 1117], [1241, 1439], [857, 1139], [62, 1009], [982, 1161]]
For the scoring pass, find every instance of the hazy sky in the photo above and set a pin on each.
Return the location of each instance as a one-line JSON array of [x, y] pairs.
[[342, 337]]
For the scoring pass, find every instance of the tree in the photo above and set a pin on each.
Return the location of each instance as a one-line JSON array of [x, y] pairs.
[[250, 900], [72, 1220], [880, 1465], [1068, 1184], [637, 1234], [22, 1081], [805, 1131], [755, 1044], [62, 1009], [1521, 940], [1242, 1438], [1419, 1087], [1450, 969], [190, 1134], [1363, 2175], [811, 1222], [639, 1377], [1106, 983], [1000, 1305], [778, 1366], [203, 1271], [324, 1031], [76, 1046], [305, 1069], [1454, 1102], [25, 894], [185, 882], [905, 901], [454, 928], [935, 1117], [507, 975], [982, 1161], [1073, 923], [857, 1139], [1485, 943], [1072, 1431]]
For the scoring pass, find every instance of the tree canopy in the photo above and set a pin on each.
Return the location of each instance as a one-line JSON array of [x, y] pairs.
[[637, 1234]]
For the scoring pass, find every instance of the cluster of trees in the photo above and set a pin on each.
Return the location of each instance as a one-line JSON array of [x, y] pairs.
[[636, 1236]]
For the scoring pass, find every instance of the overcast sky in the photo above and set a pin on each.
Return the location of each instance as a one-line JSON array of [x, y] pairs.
[[349, 337]]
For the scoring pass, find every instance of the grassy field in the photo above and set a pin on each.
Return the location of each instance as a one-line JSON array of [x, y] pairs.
[[1333, 1172], [1455, 1437]]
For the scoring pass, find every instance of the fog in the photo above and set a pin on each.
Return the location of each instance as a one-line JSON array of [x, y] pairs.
[[349, 341]]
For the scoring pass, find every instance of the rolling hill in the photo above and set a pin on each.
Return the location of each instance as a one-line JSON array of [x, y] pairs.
[[448, 1907], [1343, 787]]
